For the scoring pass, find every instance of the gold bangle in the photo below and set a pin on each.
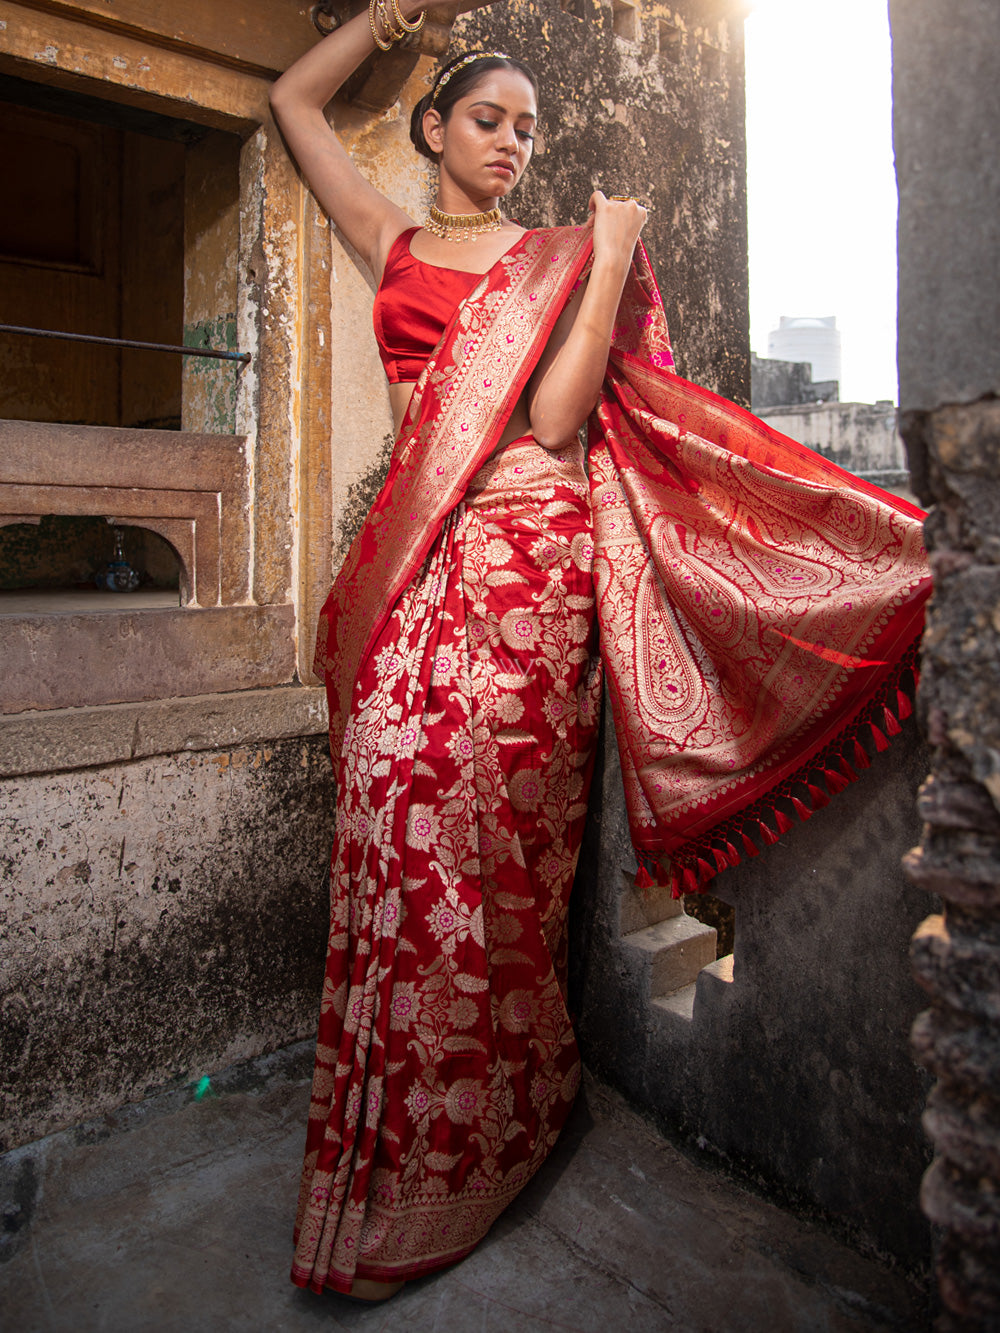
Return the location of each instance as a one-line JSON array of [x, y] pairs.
[[392, 34], [407, 27], [379, 42]]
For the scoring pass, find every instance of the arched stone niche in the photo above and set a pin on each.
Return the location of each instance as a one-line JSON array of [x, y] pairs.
[[194, 495], [48, 560]]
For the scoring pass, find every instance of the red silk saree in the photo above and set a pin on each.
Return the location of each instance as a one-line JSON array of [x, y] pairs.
[[460, 653], [756, 608]]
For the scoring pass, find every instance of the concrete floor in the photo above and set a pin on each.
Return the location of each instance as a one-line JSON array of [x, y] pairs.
[[175, 1214]]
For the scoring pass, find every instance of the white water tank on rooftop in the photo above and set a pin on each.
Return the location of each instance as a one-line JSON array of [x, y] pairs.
[[802, 338]]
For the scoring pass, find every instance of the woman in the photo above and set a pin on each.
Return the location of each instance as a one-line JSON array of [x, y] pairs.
[[459, 650]]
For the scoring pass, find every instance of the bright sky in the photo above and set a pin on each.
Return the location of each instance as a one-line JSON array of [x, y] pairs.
[[822, 190]]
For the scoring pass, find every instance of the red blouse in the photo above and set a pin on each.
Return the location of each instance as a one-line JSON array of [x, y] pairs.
[[413, 305]]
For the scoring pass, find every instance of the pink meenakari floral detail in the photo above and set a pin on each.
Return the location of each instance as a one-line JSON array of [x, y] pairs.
[[464, 1100], [518, 1010], [422, 827], [403, 1005]]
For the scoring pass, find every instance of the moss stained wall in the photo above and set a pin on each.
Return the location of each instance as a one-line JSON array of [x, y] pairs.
[[660, 116], [160, 920]]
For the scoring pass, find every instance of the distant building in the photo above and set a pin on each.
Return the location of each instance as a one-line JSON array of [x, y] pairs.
[[786, 384], [802, 338], [861, 437]]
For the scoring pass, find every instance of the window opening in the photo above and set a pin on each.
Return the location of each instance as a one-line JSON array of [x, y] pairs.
[[625, 20], [711, 62], [118, 242], [668, 40]]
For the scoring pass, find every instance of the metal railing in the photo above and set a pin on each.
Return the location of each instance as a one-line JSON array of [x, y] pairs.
[[242, 357]]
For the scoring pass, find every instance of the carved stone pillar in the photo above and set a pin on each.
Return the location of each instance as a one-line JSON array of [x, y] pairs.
[[947, 106]]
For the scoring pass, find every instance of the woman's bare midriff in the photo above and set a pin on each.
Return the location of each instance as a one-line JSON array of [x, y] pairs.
[[518, 425]]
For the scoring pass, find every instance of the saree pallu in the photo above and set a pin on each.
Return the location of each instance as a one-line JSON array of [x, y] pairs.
[[446, 1062]]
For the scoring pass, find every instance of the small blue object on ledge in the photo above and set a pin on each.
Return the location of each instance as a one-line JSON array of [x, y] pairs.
[[118, 575]]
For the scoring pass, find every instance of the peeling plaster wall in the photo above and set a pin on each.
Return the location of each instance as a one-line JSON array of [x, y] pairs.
[[211, 248], [159, 920]]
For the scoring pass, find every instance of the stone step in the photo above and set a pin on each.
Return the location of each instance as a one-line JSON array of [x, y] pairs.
[[673, 952], [640, 908], [719, 973], [676, 1007], [711, 989]]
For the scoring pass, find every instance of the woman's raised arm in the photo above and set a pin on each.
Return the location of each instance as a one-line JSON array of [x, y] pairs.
[[368, 220], [565, 386]]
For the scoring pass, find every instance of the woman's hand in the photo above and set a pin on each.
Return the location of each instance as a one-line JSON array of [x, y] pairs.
[[617, 224]]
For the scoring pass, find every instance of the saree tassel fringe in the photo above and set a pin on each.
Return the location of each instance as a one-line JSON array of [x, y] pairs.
[[784, 824], [801, 792], [767, 833], [818, 796], [801, 809], [847, 771], [751, 847], [892, 727], [644, 880]]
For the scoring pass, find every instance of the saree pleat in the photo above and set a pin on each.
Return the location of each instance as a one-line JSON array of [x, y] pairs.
[[446, 1062]]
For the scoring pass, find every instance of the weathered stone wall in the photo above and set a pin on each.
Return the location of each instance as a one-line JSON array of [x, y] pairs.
[[787, 1060], [947, 106], [160, 919]]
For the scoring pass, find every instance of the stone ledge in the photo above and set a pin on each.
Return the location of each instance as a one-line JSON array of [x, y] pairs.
[[89, 659], [66, 738]]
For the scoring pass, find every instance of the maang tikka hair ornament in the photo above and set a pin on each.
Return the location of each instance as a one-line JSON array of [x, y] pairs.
[[468, 60]]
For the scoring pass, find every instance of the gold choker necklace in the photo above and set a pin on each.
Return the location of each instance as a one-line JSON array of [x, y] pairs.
[[462, 226]]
